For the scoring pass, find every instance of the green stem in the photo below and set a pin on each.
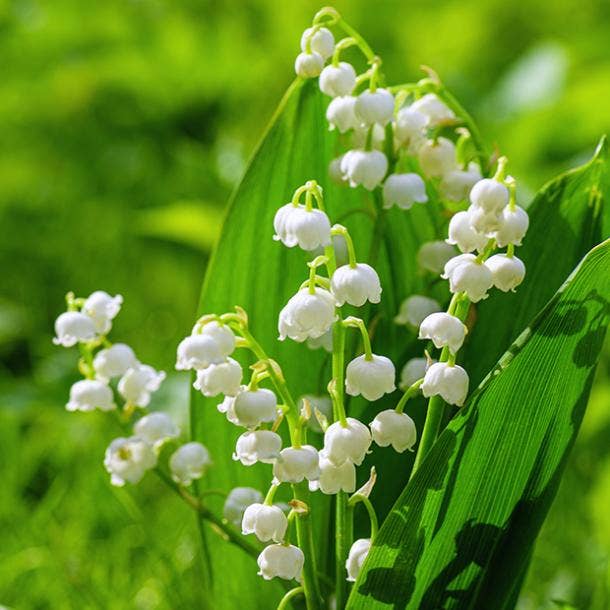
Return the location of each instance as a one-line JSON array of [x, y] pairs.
[[360, 41], [378, 229], [288, 597], [343, 541], [372, 516], [413, 390], [366, 340], [337, 371]]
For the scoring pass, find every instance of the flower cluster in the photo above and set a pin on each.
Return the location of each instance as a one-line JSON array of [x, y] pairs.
[[113, 374]]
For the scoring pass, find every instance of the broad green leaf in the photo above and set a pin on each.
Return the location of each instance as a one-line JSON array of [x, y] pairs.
[[462, 531], [251, 270]]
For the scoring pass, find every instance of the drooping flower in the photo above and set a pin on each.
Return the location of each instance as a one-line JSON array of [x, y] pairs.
[[72, 327], [321, 41], [507, 271], [433, 255], [128, 459], [444, 330], [372, 378], [357, 554], [189, 462], [114, 361], [403, 190], [350, 442], [463, 235], [413, 370], [138, 383], [340, 113], [396, 429], [415, 308], [254, 407], [434, 109], [90, 394], [266, 522], [282, 561], [457, 183], [102, 309], [375, 106], [410, 127], [448, 381], [466, 274], [338, 80], [222, 334], [295, 225], [308, 65], [297, 463], [437, 157], [513, 225], [237, 501], [258, 446], [156, 429], [198, 352], [222, 378], [489, 195], [307, 315], [365, 167], [355, 285], [335, 478]]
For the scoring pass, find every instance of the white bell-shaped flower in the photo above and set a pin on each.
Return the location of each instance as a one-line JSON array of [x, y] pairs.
[[436, 158], [414, 309], [198, 352], [321, 403], [357, 554], [114, 361], [365, 167], [433, 255], [227, 406], [489, 195], [189, 462], [222, 378], [350, 442], [307, 315], [396, 429], [258, 446], [372, 378], [403, 190], [254, 407], [324, 341], [295, 225], [467, 275], [237, 501], [413, 370], [448, 381], [72, 327], [90, 394], [513, 225], [266, 522], [410, 126], [341, 115], [434, 109], [375, 106], [355, 285], [444, 330], [282, 561], [156, 429], [457, 184], [297, 463], [138, 383], [321, 41], [482, 221], [102, 308], [128, 459], [507, 271], [335, 478], [222, 334], [463, 235], [338, 80], [308, 65]]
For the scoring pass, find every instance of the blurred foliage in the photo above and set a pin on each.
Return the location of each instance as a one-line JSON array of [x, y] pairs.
[[124, 125]]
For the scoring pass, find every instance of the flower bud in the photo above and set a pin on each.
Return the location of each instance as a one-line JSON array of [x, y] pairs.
[[410, 126], [155, 429], [444, 330], [449, 382], [266, 522], [404, 190], [367, 168], [507, 271], [307, 315], [114, 361], [437, 157], [198, 352], [513, 225], [137, 384], [281, 560], [128, 459], [189, 462], [322, 404], [414, 309], [333, 478], [308, 65], [413, 370], [435, 110], [467, 275], [237, 501], [254, 407], [396, 429], [222, 378], [375, 106], [338, 80], [298, 226], [90, 394], [457, 184], [258, 446], [297, 463], [72, 327], [102, 308], [341, 115], [463, 235], [372, 378], [321, 41], [355, 285], [433, 255], [490, 195], [350, 442], [357, 554], [222, 334]]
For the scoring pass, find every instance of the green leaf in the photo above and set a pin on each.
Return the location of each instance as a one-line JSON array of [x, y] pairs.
[[461, 533]]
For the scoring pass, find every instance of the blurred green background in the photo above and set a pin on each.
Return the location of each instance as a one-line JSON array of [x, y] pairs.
[[124, 126]]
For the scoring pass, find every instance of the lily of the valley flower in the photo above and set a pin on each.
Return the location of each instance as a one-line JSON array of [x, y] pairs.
[[372, 377], [258, 446], [297, 463], [513, 225], [307, 315], [341, 115], [222, 378], [355, 285], [266, 522], [335, 478], [102, 308], [189, 462], [320, 41], [375, 106], [448, 381], [396, 429], [444, 330], [463, 235], [90, 394], [357, 554], [338, 80], [296, 225], [434, 109], [138, 383], [367, 168], [128, 459], [72, 327], [350, 442], [437, 157], [433, 255], [414, 309], [281, 561], [156, 428], [403, 190], [114, 361], [254, 407], [237, 501], [507, 271], [308, 65], [466, 274]]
